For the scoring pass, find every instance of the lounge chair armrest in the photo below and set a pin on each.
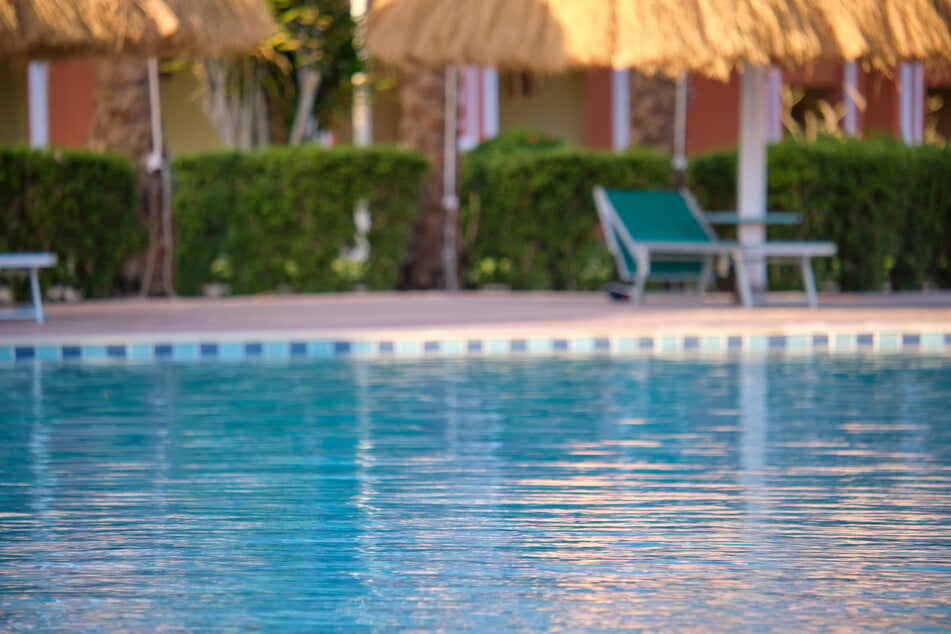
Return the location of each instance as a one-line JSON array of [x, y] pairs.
[[772, 218], [791, 249], [688, 248]]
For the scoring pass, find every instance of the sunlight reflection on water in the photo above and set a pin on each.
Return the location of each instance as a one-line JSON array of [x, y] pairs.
[[545, 494]]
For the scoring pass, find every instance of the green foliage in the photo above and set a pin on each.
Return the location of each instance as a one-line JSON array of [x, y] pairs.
[[281, 218], [79, 205], [318, 35], [887, 206], [519, 140], [529, 220]]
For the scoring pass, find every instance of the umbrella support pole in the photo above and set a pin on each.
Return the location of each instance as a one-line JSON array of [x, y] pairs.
[[751, 170], [450, 200], [680, 131], [156, 163], [152, 252]]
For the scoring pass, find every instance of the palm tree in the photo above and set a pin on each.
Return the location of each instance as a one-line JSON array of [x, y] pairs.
[[652, 111], [422, 127], [122, 124]]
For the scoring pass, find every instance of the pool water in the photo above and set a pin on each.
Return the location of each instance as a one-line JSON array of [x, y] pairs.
[[597, 494]]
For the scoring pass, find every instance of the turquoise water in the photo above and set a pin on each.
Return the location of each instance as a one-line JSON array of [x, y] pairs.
[[483, 495]]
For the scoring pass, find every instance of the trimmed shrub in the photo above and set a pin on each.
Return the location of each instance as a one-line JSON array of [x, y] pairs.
[[886, 205], [528, 219], [282, 218], [79, 205], [518, 140]]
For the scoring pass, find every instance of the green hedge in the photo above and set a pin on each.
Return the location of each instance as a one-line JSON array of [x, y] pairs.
[[886, 205], [528, 220], [278, 218], [79, 205]]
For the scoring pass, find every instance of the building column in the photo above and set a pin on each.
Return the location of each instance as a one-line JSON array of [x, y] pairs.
[[774, 105], [850, 93], [479, 96], [470, 96], [912, 102], [490, 103], [620, 110], [39, 105]]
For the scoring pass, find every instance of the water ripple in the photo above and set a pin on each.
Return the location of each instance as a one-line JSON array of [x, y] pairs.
[[511, 495]]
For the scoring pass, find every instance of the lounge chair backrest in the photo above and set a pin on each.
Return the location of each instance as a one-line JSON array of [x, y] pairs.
[[652, 216], [660, 216]]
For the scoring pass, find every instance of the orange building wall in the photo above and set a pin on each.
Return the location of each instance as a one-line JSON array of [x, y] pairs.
[[938, 76], [72, 85], [713, 106], [828, 75], [713, 119], [882, 113], [598, 108]]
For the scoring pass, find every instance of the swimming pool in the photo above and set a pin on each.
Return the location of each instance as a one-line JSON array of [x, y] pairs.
[[508, 494]]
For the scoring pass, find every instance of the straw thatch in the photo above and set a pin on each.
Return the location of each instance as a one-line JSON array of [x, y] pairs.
[[507, 34], [671, 36], [896, 30], [48, 28], [210, 28], [39, 29]]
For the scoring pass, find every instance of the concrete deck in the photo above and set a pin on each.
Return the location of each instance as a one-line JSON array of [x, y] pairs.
[[435, 314]]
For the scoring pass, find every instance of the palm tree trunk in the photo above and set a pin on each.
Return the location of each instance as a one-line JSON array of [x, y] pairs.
[[422, 122], [652, 111], [121, 121], [122, 124]]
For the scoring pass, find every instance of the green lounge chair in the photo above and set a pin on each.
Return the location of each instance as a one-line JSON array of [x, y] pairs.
[[663, 235]]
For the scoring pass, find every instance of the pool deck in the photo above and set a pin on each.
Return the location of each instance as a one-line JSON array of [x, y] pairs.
[[465, 315]]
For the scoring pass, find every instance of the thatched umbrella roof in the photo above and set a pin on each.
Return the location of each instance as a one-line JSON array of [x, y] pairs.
[[712, 37], [210, 28], [38, 29], [671, 36], [717, 36], [546, 36]]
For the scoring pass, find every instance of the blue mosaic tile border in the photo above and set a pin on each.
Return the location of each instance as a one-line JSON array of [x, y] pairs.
[[832, 342]]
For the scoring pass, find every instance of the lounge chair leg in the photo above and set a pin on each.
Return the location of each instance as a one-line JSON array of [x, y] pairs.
[[706, 275], [809, 282], [37, 298], [743, 288], [639, 284]]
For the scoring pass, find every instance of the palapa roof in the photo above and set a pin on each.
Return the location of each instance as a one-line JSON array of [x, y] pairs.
[[507, 34], [670, 36], [36, 29], [210, 28], [39, 28]]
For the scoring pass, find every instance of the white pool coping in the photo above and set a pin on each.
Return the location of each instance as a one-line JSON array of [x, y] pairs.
[[434, 324]]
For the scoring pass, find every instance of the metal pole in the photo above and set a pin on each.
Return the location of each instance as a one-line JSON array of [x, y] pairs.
[[155, 112], [450, 201], [751, 172], [680, 131], [362, 123], [156, 162]]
